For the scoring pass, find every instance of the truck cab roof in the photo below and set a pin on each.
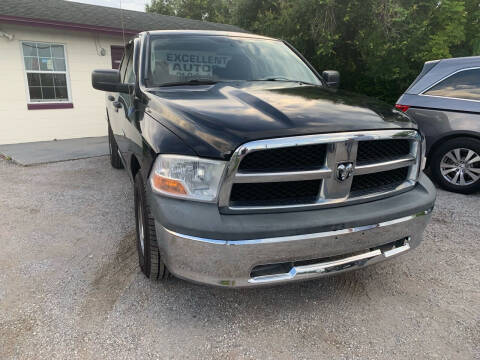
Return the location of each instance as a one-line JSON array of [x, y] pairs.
[[207, 33]]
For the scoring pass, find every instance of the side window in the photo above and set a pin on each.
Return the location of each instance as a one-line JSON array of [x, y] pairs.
[[462, 85], [124, 63], [129, 74]]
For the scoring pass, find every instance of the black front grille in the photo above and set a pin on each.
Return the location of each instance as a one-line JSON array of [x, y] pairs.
[[285, 159], [381, 150], [378, 182], [275, 193]]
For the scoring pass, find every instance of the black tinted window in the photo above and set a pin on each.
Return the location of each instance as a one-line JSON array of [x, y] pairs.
[[129, 74], [462, 85]]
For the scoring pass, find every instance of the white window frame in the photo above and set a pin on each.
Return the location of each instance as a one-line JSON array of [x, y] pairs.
[[445, 78], [66, 73]]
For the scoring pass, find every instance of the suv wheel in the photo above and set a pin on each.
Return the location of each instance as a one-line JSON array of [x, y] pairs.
[[455, 165], [115, 159], [149, 257]]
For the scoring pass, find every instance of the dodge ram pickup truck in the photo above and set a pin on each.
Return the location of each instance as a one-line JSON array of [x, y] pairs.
[[250, 168]]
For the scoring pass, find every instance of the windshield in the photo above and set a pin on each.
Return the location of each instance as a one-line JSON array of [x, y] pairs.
[[201, 59]]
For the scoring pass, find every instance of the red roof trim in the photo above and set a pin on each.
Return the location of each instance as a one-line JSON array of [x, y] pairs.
[[65, 25]]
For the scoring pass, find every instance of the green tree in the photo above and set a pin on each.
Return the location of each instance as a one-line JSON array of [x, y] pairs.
[[472, 29], [164, 7], [379, 46], [208, 10]]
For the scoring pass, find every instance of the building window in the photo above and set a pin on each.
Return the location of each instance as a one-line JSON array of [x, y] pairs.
[[46, 72]]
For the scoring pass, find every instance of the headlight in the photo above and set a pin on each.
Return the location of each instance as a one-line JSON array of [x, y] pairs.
[[187, 177]]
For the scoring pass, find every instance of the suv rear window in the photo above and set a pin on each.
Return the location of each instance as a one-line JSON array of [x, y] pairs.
[[462, 85]]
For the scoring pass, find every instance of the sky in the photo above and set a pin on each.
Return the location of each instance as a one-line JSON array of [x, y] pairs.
[[138, 5]]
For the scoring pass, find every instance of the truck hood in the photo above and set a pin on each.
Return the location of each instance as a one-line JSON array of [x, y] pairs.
[[215, 119]]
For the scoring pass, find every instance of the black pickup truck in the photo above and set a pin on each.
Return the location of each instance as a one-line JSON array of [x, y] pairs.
[[250, 168]]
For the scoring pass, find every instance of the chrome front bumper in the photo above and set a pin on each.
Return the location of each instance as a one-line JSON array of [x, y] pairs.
[[230, 263]]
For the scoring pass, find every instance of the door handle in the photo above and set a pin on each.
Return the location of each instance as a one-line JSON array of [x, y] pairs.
[[117, 105], [111, 98]]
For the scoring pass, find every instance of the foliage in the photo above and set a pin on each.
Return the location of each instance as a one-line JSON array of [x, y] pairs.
[[379, 46], [211, 10]]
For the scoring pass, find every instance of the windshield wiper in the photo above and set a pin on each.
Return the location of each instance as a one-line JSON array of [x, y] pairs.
[[281, 78], [189, 82]]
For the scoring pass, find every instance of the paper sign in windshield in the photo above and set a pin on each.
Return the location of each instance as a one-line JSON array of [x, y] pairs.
[[192, 63]]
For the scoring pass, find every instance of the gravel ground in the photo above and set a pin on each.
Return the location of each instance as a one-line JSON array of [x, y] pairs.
[[70, 286]]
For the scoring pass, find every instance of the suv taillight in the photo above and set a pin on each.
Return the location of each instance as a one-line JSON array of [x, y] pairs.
[[402, 108]]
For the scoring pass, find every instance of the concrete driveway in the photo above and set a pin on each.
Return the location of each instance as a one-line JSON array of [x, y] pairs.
[[70, 286]]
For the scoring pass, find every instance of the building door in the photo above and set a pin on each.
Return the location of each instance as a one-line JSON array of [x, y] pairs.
[[117, 54]]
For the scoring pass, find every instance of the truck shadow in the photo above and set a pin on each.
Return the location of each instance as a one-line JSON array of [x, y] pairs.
[[332, 293], [110, 280]]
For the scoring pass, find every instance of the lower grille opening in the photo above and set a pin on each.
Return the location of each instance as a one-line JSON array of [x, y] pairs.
[[275, 193], [378, 182], [283, 268], [271, 269]]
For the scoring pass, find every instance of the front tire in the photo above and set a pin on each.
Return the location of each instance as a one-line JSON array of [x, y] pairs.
[[455, 165], [149, 256]]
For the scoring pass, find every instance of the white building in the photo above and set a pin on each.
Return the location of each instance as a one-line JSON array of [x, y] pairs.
[[48, 49]]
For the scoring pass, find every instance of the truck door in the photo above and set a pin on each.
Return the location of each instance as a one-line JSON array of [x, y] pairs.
[[119, 107], [132, 113]]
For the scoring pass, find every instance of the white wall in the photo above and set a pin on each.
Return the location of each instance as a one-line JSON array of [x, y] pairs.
[[87, 118]]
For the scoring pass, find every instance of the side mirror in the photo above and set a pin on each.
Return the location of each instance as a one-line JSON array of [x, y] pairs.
[[332, 78], [109, 80]]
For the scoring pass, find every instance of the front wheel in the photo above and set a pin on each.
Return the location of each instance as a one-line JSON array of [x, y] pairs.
[[455, 165], [149, 257]]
